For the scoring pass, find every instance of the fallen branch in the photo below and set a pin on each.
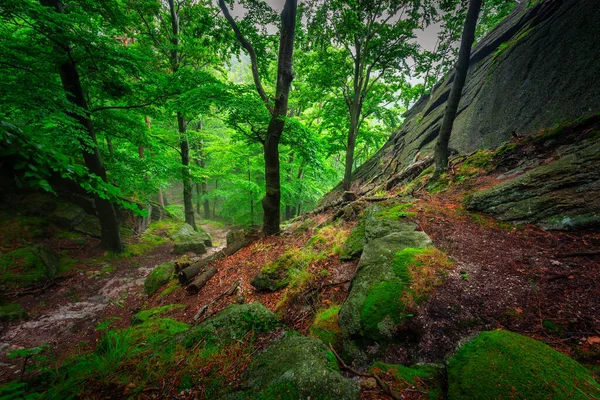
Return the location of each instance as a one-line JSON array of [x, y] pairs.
[[200, 281], [384, 386], [188, 273]]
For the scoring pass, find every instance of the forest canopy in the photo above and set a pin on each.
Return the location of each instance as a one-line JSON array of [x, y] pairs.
[[135, 101]]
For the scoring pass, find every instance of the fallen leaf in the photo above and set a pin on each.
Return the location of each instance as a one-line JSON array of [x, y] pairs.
[[593, 340]]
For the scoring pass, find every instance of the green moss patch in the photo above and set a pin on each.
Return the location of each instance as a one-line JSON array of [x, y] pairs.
[[31, 265], [396, 211], [506, 365], [424, 378], [160, 276], [145, 315], [12, 312], [416, 271], [355, 243], [277, 274], [328, 241], [326, 328], [233, 323]]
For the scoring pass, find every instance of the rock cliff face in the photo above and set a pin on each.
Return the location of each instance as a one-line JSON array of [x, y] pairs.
[[537, 68]]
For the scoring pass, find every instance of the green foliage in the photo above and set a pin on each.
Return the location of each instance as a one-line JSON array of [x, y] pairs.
[[502, 364]]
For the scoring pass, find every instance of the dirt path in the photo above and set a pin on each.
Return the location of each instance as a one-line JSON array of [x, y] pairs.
[[67, 314]]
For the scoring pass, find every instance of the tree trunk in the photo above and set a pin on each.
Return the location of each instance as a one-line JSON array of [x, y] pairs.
[[188, 203], [350, 150], [187, 274], [69, 76], [462, 67], [272, 200]]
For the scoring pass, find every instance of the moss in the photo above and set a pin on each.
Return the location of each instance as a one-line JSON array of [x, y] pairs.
[[164, 228], [328, 241], [146, 315], [12, 312], [502, 365], [353, 247], [417, 271], [280, 391], [171, 287], [304, 363], [277, 274], [31, 265], [383, 309], [161, 275], [233, 323], [424, 378], [396, 211], [326, 328], [147, 242]]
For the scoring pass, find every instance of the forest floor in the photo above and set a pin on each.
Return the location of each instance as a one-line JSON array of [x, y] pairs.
[[517, 277]]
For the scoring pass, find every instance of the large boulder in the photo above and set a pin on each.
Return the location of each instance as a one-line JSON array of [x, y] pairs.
[[89, 225], [299, 367], [67, 215], [505, 365], [189, 240], [561, 195], [374, 308]]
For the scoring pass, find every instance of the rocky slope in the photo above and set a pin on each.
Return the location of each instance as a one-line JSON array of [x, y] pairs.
[[532, 71]]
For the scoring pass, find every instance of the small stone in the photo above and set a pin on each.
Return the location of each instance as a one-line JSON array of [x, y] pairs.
[[369, 383]]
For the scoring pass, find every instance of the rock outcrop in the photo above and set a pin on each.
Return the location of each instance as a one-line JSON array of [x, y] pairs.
[[562, 194], [533, 70], [373, 308]]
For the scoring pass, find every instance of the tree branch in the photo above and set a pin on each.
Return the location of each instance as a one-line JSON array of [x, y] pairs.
[[253, 60]]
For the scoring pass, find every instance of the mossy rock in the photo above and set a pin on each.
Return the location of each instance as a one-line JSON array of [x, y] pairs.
[[160, 276], [426, 378], [186, 233], [89, 225], [28, 266], [506, 365], [355, 243], [299, 367], [276, 275], [381, 222], [12, 312], [195, 244], [374, 306], [233, 323], [67, 215], [326, 328]]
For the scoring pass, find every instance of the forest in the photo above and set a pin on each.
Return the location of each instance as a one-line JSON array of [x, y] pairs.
[[314, 199]]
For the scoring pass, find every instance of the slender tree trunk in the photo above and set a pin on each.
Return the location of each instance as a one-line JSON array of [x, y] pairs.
[[352, 133], [300, 178], [188, 203], [214, 211], [462, 67], [272, 201], [109, 143], [69, 76]]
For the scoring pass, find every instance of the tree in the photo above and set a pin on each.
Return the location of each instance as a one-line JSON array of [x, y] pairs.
[[69, 76], [462, 67], [272, 200], [372, 43]]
